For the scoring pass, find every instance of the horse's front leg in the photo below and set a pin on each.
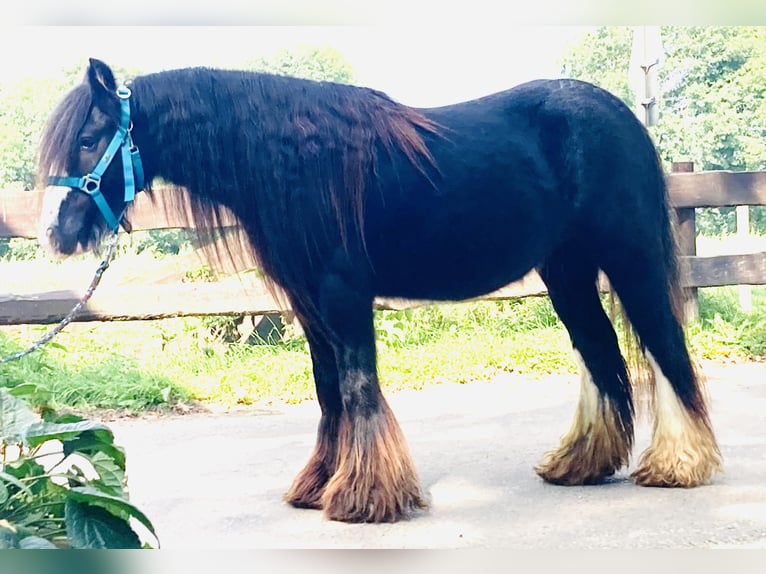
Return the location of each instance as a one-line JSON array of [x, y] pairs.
[[308, 487], [374, 479]]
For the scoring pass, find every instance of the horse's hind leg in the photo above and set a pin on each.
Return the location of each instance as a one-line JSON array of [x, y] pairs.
[[683, 451], [601, 436]]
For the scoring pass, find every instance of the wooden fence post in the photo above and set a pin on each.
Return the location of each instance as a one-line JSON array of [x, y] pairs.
[[687, 243]]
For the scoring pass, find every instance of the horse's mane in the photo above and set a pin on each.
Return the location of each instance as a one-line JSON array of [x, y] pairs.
[[60, 133], [292, 159]]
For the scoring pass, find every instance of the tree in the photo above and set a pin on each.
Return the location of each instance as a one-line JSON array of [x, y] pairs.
[[310, 62], [712, 98], [23, 109], [602, 57], [712, 101]]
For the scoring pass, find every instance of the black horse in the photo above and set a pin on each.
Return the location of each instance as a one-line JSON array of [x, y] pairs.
[[345, 195]]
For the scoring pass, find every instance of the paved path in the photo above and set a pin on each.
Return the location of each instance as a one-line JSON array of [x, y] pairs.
[[215, 481]]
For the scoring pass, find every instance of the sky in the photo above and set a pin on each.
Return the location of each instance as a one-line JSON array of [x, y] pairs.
[[417, 65]]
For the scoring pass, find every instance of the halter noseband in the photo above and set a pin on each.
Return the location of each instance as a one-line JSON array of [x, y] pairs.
[[133, 171]]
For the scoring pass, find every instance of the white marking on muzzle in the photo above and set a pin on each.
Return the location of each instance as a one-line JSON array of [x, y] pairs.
[[53, 197]]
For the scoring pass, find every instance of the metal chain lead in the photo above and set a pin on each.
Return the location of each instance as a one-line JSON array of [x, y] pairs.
[[76, 309]]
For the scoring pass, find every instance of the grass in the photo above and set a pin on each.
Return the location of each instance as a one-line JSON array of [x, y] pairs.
[[176, 363], [73, 373], [134, 366], [725, 330]]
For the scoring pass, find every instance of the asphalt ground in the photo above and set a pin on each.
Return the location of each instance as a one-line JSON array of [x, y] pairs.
[[215, 480]]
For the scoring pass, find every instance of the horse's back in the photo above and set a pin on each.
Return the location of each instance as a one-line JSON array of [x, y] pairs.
[[514, 173], [445, 236]]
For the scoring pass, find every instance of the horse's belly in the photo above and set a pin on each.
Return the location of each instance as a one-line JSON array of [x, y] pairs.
[[421, 285], [495, 212], [452, 270]]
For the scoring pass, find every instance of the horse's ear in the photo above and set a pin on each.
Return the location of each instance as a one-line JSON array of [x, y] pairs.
[[100, 77]]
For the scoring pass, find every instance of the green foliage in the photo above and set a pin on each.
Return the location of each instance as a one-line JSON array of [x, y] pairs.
[[420, 326], [62, 482], [724, 330], [310, 62], [19, 249], [24, 108], [163, 241], [602, 57], [465, 342], [173, 363], [71, 371], [713, 87]]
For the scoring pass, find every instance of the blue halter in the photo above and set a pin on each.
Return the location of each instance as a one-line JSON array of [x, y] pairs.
[[133, 171]]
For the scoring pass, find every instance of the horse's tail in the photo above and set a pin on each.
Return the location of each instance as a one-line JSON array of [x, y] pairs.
[[673, 268]]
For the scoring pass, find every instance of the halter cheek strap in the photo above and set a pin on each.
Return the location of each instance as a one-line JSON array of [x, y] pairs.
[[133, 171]]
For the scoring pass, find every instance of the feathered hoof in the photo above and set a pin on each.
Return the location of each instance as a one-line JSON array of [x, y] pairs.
[[574, 467], [344, 503], [308, 488], [375, 479], [677, 469]]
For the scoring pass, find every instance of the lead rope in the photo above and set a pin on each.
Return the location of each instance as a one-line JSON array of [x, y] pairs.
[[76, 309]]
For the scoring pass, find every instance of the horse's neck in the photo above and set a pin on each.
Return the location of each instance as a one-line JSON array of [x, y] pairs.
[[174, 130]]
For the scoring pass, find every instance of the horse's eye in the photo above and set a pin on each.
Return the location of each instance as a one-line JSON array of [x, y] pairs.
[[87, 144]]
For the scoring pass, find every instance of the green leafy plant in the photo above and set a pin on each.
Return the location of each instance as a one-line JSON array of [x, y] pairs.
[[62, 482]]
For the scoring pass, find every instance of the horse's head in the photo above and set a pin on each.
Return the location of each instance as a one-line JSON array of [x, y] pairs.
[[87, 164]]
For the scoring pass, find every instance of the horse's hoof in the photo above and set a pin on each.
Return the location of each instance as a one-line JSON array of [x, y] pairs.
[[585, 459], [566, 470], [376, 507], [677, 470], [308, 487]]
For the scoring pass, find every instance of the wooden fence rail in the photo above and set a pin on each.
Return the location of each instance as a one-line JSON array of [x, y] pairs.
[[244, 295]]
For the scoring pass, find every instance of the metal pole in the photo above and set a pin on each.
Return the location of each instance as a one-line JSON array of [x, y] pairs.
[[647, 51]]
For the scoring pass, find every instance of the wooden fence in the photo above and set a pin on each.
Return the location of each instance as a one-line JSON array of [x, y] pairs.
[[245, 295]]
